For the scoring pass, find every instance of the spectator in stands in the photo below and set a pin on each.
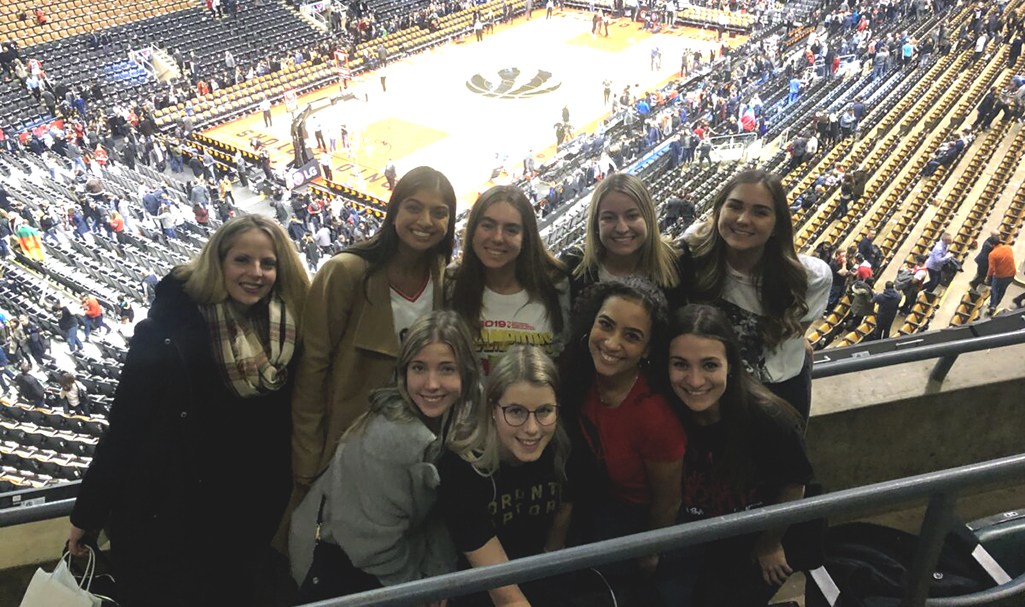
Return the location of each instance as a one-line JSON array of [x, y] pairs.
[[68, 324], [630, 444], [982, 260], [868, 249], [985, 114], [149, 286], [38, 344], [1000, 273], [886, 303], [745, 448], [795, 89], [944, 156], [5, 370], [225, 187], [199, 194], [381, 528], [93, 315], [513, 445], [30, 391], [125, 313], [623, 239], [74, 396], [361, 304], [201, 214], [309, 246], [749, 233], [184, 366], [910, 280], [938, 256], [507, 286], [17, 329], [860, 295], [863, 267]]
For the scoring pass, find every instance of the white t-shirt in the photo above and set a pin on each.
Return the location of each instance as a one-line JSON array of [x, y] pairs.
[[405, 310], [743, 307], [512, 319]]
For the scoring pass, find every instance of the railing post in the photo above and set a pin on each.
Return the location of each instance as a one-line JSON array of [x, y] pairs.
[[938, 518], [942, 367]]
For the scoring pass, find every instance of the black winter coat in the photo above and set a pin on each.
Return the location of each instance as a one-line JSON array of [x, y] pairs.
[[189, 480]]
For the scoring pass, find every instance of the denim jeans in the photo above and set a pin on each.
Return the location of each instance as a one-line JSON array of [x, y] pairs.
[[71, 337], [997, 289]]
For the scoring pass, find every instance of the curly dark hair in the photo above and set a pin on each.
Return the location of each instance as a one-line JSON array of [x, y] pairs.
[[576, 365]]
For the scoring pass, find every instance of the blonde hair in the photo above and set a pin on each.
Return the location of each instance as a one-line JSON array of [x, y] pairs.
[[439, 327], [476, 439], [658, 255], [203, 277]]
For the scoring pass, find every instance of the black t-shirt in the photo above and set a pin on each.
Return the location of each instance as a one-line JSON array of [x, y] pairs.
[[778, 455], [517, 504]]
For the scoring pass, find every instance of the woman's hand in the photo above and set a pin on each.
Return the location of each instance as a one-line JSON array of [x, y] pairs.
[[441, 603], [75, 545], [648, 564], [773, 561]]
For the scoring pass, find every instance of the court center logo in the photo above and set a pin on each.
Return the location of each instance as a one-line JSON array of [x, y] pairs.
[[513, 83]]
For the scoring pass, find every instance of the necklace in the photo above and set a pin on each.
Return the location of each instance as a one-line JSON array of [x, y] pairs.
[[607, 398]]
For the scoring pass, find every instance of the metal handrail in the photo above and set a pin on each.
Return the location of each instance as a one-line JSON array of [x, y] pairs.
[[946, 352], [850, 501]]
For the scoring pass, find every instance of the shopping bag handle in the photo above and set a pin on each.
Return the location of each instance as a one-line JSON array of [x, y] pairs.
[[90, 567]]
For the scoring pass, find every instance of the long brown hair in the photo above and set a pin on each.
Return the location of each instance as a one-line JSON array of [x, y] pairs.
[[537, 270], [381, 247], [782, 298], [742, 395]]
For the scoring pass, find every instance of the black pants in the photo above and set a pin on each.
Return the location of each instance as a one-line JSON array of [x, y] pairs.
[[796, 390], [266, 118]]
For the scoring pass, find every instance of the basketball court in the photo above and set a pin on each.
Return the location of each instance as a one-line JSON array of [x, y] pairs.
[[469, 107]]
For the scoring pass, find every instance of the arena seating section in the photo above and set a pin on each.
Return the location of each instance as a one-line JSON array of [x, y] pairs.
[[260, 31]]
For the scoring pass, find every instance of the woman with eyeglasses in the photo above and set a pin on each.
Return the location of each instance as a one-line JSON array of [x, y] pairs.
[[503, 478]]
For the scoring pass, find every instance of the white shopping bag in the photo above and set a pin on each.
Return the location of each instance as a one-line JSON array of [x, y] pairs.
[[60, 588]]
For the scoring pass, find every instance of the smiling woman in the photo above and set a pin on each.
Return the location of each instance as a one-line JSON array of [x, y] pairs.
[[750, 233], [628, 445], [623, 239], [369, 520], [362, 303], [208, 372], [508, 286], [745, 450]]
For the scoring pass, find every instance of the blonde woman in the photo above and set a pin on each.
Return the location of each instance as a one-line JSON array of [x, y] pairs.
[[369, 521], [192, 476], [503, 481], [623, 239]]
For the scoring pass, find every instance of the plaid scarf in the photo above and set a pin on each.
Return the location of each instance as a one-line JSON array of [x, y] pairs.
[[242, 357]]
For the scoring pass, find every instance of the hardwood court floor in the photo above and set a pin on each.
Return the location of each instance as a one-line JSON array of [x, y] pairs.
[[469, 107]]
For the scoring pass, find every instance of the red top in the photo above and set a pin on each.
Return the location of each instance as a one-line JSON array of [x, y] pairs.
[[92, 308], [864, 272], [642, 428]]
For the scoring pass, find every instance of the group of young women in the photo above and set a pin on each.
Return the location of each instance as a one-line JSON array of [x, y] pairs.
[[453, 416]]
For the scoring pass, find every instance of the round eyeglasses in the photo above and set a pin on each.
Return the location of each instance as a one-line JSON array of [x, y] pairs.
[[516, 415]]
